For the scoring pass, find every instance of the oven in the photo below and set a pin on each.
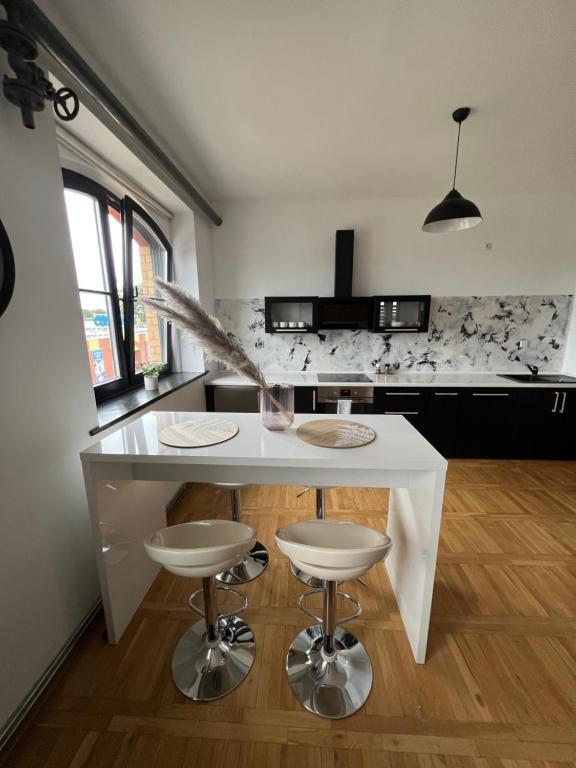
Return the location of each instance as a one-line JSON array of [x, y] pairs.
[[361, 399]]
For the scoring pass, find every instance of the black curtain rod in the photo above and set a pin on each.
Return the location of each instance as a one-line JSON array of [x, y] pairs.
[[52, 40]]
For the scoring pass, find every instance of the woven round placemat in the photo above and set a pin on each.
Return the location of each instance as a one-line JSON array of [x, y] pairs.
[[198, 433], [335, 433]]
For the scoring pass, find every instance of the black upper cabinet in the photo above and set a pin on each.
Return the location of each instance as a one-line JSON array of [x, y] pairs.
[[291, 314], [546, 424], [401, 314], [352, 313]]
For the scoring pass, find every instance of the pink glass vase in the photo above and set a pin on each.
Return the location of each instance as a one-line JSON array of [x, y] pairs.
[[277, 406]]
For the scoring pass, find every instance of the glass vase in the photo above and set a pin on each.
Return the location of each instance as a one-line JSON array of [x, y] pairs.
[[277, 406]]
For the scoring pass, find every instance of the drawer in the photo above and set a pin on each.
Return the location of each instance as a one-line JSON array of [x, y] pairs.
[[402, 401]]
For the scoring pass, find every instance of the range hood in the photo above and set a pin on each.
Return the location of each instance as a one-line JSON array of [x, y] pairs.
[[381, 314], [344, 311]]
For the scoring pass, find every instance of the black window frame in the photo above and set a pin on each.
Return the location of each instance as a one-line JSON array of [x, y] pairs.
[[126, 207]]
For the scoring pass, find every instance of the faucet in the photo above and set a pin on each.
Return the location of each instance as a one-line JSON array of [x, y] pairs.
[[532, 368]]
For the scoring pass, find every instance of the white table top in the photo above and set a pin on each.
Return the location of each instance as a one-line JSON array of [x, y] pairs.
[[398, 445]]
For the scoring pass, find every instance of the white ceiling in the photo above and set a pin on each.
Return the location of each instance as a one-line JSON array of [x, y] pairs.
[[300, 98]]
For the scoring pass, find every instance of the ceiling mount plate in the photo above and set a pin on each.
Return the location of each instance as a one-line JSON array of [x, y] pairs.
[[460, 114]]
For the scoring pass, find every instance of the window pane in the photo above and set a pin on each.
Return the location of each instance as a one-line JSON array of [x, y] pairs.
[[149, 260], [100, 338], [115, 226], [83, 219]]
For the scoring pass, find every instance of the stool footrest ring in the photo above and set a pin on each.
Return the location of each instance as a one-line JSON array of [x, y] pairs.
[[221, 616], [320, 619]]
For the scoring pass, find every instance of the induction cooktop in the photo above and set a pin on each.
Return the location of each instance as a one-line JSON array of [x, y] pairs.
[[344, 377]]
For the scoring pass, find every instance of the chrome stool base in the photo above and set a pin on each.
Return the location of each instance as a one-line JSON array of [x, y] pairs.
[[305, 578], [333, 688], [253, 565], [205, 671]]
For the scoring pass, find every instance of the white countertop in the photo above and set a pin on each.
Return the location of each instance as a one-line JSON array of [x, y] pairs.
[[398, 445], [400, 379]]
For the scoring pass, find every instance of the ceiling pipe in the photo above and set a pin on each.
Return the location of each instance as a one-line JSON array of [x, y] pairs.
[[116, 115]]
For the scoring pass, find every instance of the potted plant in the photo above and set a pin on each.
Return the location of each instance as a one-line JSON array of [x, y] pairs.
[[151, 372]]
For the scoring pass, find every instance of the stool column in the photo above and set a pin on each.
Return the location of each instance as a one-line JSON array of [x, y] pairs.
[[329, 624], [210, 608], [320, 506], [235, 499]]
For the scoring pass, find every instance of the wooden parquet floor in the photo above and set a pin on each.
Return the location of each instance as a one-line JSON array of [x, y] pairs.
[[498, 689]]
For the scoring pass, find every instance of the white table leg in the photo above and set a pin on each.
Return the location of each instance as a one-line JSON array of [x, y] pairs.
[[123, 513], [414, 517]]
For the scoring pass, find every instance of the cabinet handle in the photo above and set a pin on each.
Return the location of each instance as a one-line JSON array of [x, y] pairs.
[[563, 402], [490, 394], [404, 394], [556, 402], [314, 400], [402, 413], [446, 394]]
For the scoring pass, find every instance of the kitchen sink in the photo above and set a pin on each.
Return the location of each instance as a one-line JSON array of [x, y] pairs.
[[539, 378]]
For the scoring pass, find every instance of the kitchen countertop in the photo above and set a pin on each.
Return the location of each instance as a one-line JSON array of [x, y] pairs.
[[400, 379]]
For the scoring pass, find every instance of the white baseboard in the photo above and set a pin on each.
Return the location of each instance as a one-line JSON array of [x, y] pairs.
[[10, 727]]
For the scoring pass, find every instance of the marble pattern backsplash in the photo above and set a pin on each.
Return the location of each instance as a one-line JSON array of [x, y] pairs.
[[466, 333]]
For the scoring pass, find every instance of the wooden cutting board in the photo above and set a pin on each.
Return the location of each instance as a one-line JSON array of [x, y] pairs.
[[198, 433], [336, 433]]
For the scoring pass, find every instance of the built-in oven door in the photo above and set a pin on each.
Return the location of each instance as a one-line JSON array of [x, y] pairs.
[[361, 399], [356, 407]]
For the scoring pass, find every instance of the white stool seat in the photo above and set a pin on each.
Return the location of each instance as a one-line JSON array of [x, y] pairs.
[[201, 548], [332, 550], [255, 562]]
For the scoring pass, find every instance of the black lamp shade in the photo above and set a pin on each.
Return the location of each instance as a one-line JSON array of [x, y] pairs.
[[452, 214]]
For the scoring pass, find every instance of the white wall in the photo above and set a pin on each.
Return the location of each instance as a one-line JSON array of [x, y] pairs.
[[192, 248], [47, 572], [287, 248], [48, 579]]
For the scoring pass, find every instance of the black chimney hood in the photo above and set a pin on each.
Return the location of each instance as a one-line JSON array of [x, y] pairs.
[[344, 262], [381, 314], [344, 311]]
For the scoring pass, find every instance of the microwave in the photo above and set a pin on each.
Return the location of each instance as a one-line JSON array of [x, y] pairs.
[[401, 314]]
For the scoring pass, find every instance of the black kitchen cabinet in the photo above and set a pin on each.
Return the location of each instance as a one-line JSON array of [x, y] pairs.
[[482, 423], [404, 401], [354, 313], [304, 399], [245, 399], [546, 424], [444, 428], [487, 423]]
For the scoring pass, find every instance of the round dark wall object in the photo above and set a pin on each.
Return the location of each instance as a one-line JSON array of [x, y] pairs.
[[7, 270]]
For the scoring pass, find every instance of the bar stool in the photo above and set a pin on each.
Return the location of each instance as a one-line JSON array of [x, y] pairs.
[[328, 668], [214, 656], [307, 578], [255, 562]]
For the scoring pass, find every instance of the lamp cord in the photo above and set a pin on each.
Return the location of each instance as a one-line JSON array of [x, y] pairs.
[[456, 161]]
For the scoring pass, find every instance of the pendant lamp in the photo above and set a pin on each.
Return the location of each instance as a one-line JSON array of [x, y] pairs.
[[454, 212]]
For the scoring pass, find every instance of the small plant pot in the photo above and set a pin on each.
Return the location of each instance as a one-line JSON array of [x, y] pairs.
[[151, 383]]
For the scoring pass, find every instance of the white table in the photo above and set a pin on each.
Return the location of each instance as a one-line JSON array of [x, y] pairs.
[[127, 502]]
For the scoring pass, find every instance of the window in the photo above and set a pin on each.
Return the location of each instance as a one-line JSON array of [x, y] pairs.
[[118, 250]]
